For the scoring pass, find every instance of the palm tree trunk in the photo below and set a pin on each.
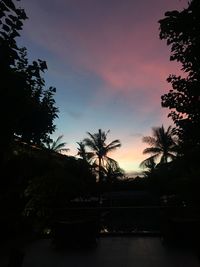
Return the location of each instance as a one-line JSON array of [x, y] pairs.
[[100, 181], [100, 172]]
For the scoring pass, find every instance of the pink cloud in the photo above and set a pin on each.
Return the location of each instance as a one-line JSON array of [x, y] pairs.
[[123, 52]]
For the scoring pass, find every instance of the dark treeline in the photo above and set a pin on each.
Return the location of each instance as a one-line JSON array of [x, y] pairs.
[[173, 166], [27, 111]]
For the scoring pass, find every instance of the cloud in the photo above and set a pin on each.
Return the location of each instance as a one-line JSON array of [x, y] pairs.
[[112, 42], [74, 114]]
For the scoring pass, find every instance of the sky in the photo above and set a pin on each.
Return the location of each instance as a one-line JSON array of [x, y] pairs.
[[108, 65]]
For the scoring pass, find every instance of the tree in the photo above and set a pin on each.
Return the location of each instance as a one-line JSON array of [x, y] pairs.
[[163, 146], [54, 183], [27, 109], [97, 143], [113, 172], [82, 153], [11, 21], [57, 145], [35, 120], [149, 165], [181, 30]]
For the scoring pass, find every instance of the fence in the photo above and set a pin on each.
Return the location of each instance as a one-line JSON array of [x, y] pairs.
[[140, 219]]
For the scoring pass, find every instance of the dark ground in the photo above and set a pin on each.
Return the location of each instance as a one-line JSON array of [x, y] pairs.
[[116, 251]]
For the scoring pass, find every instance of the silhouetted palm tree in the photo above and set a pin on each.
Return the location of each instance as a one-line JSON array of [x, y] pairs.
[[149, 165], [97, 143], [57, 145], [82, 153], [113, 172], [163, 146]]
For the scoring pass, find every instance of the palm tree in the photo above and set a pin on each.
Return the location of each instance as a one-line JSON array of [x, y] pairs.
[[97, 143], [57, 145], [82, 153], [163, 146], [149, 165], [113, 172]]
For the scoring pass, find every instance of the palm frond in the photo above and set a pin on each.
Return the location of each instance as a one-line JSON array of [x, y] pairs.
[[112, 162], [149, 140], [57, 146], [113, 145], [91, 143], [163, 143], [151, 150], [149, 162]]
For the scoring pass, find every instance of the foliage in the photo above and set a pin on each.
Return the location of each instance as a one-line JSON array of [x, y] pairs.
[[64, 179], [181, 30], [82, 153], [35, 120], [112, 172], [57, 145], [27, 109], [97, 143], [163, 146], [36, 181], [150, 166]]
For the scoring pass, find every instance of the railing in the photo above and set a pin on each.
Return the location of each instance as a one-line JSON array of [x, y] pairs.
[[124, 220], [140, 219]]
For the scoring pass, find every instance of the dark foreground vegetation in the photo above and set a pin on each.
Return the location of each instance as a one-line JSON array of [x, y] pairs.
[[40, 187]]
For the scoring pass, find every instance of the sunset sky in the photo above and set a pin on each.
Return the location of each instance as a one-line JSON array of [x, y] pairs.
[[108, 64]]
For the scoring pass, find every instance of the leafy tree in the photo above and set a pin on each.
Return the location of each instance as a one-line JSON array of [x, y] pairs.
[[181, 30], [55, 184], [57, 145], [97, 143], [27, 109], [11, 21], [163, 146]]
